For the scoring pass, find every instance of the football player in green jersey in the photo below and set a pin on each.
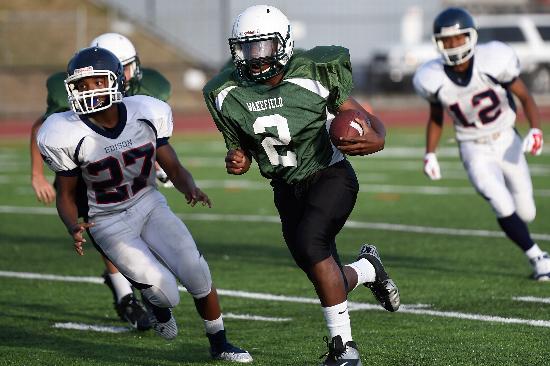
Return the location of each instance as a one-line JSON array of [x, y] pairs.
[[140, 81], [276, 108]]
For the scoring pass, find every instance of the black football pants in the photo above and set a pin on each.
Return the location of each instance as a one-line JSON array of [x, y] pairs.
[[314, 210]]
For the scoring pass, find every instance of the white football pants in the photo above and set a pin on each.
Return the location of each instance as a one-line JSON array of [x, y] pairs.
[[149, 244], [498, 170]]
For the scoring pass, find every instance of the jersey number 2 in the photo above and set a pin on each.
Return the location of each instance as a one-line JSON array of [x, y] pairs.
[[111, 190], [269, 143]]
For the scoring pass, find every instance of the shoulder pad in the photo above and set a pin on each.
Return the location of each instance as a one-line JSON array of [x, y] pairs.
[[57, 95], [146, 105], [61, 130], [498, 60], [323, 55], [428, 79], [154, 84], [224, 79], [152, 109]]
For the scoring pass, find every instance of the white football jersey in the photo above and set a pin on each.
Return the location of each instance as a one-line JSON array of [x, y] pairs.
[[117, 164], [481, 105]]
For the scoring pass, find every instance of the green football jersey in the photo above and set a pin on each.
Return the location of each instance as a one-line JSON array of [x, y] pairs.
[[284, 127], [152, 84]]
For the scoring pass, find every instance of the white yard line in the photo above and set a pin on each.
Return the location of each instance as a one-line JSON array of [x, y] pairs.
[[543, 300], [275, 219], [91, 327], [254, 317], [418, 309]]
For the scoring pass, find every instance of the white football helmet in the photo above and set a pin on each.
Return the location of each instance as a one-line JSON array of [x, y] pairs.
[[124, 50], [261, 42], [453, 22]]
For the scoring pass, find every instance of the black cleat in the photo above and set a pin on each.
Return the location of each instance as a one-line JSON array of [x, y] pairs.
[[339, 354], [133, 312], [129, 309], [383, 288]]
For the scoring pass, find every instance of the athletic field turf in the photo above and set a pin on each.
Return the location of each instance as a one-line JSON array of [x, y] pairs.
[[466, 296]]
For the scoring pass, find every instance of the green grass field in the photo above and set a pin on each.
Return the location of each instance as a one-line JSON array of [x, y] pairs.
[[461, 289]]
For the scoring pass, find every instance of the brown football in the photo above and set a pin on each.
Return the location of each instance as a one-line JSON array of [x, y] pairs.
[[345, 125]]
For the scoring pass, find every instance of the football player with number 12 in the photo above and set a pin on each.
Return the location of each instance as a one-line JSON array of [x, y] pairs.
[[475, 85]]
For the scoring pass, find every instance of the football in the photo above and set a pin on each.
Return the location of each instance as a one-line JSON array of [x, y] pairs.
[[345, 125]]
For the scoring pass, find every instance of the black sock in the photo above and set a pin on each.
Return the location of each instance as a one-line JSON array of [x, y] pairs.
[[517, 231], [162, 314], [217, 340]]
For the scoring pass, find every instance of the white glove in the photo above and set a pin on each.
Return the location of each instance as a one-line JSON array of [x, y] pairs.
[[161, 175], [431, 166], [532, 143]]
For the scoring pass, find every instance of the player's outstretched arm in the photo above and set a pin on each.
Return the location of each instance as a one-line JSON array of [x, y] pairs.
[[237, 162], [181, 177], [533, 141], [373, 139], [43, 190], [433, 135]]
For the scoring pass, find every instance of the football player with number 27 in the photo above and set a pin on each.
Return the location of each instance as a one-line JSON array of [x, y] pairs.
[[275, 106], [474, 84], [113, 143], [139, 80]]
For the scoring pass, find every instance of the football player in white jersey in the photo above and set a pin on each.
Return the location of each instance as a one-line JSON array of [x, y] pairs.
[[114, 143], [138, 80], [475, 85]]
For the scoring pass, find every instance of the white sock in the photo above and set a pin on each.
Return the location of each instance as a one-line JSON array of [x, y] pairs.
[[121, 285], [365, 271], [213, 326], [533, 252], [338, 323]]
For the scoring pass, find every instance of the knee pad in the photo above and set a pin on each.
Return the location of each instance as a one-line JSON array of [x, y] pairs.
[[308, 255], [168, 297], [195, 275], [527, 214]]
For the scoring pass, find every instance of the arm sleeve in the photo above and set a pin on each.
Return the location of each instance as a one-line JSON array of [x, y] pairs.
[[155, 85], [58, 159], [426, 85], [57, 150], [224, 125], [511, 67], [336, 74], [159, 115]]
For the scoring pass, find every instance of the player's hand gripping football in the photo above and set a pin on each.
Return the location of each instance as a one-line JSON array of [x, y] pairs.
[[369, 143], [77, 231], [431, 166], [533, 142], [236, 162]]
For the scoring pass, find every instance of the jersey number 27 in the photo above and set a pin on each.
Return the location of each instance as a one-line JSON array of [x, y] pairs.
[[111, 190]]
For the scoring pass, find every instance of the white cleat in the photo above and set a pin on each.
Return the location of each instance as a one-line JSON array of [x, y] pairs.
[[167, 330], [541, 267]]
